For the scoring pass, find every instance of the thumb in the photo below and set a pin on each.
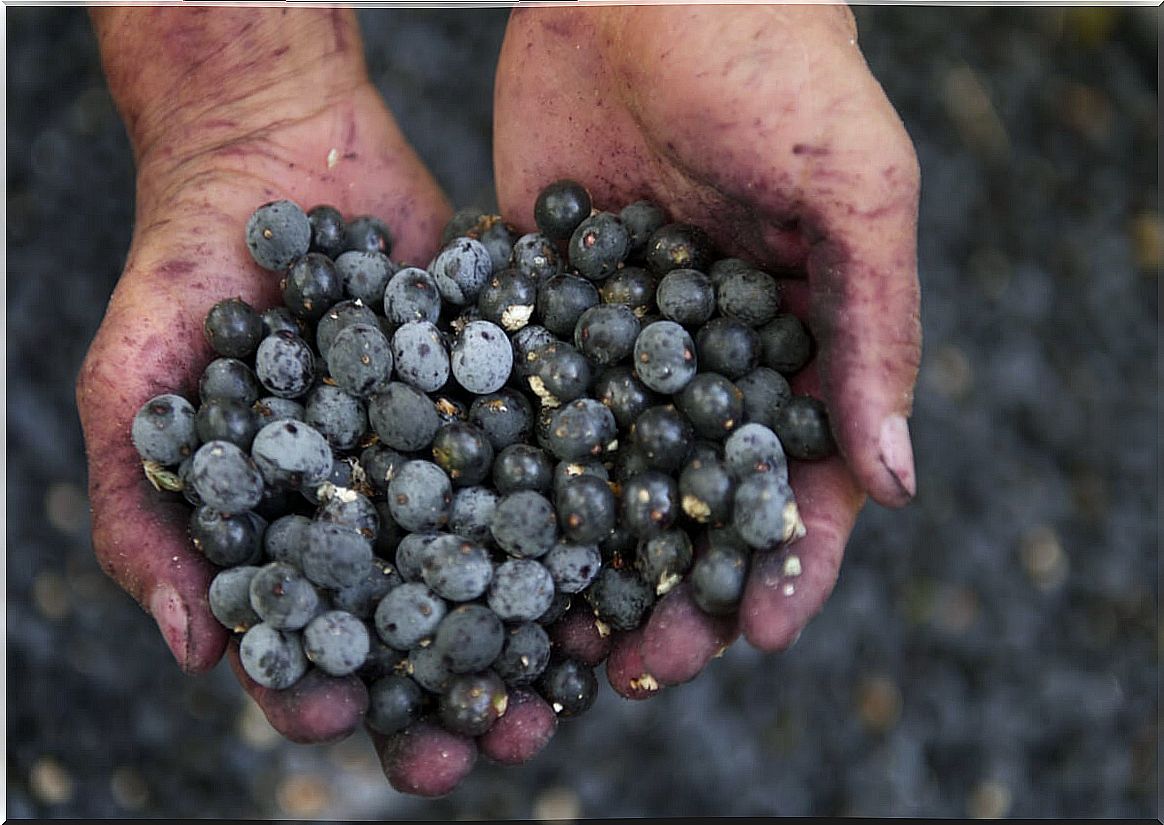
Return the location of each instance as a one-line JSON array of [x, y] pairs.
[[864, 300]]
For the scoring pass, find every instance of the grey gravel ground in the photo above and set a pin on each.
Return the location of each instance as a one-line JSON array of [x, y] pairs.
[[991, 650]]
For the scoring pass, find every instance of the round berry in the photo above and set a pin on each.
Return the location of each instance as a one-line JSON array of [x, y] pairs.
[[230, 598], [278, 233], [521, 590], [753, 448], [292, 454], [233, 328], [283, 597], [598, 246], [662, 561], [707, 491], [461, 269], [165, 429], [403, 417], [524, 655], [560, 207], [765, 514], [802, 425], [505, 416], [409, 615], [472, 514], [686, 296], [713, 405], [569, 686], [664, 357], [229, 378], [727, 347], [337, 416], [606, 333], [663, 435], [272, 657], [367, 233], [508, 299], [750, 296], [718, 578], [336, 642], [525, 524], [420, 356], [560, 374], [394, 703], [765, 392], [678, 246], [586, 509], [285, 365], [420, 496], [535, 256], [328, 232], [522, 467], [469, 638], [573, 566], [632, 287], [463, 451], [650, 503], [785, 344], [641, 219], [482, 358], [584, 428], [226, 539], [561, 301], [336, 555], [620, 598], [472, 702], [312, 285], [226, 478]]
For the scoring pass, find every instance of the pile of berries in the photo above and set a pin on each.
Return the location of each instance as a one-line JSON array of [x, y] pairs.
[[433, 477]]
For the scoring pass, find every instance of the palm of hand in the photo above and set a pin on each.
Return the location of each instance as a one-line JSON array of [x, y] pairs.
[[762, 130], [188, 252]]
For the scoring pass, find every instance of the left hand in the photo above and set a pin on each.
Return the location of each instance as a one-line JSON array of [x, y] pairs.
[[764, 126]]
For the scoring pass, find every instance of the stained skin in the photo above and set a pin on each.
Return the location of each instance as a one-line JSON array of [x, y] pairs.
[[764, 126]]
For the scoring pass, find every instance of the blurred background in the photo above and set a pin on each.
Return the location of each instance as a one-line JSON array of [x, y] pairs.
[[992, 650]]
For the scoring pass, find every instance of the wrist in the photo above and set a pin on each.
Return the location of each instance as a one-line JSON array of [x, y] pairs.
[[188, 81]]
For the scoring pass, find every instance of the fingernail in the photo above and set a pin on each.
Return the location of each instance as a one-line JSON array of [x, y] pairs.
[[169, 612], [897, 453]]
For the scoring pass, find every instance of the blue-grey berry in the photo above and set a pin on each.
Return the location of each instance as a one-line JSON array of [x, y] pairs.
[[482, 358], [420, 356], [164, 429], [277, 234], [336, 642], [272, 657], [292, 454]]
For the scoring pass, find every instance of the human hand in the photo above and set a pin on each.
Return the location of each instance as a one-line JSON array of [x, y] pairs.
[[763, 125], [226, 109]]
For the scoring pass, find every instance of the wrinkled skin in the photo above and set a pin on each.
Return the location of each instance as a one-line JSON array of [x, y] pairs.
[[764, 126], [761, 124], [199, 179]]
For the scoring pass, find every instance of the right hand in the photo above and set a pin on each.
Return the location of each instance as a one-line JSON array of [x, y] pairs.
[[201, 170]]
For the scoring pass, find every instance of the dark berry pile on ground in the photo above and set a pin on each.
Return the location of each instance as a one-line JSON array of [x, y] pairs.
[[464, 465]]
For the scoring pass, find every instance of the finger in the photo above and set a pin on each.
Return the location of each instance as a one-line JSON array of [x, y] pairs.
[[680, 639], [139, 535], [425, 759], [527, 726], [318, 708], [578, 635], [787, 587], [862, 186], [625, 669]]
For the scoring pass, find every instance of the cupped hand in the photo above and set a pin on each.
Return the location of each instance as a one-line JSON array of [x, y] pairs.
[[199, 177], [763, 125]]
